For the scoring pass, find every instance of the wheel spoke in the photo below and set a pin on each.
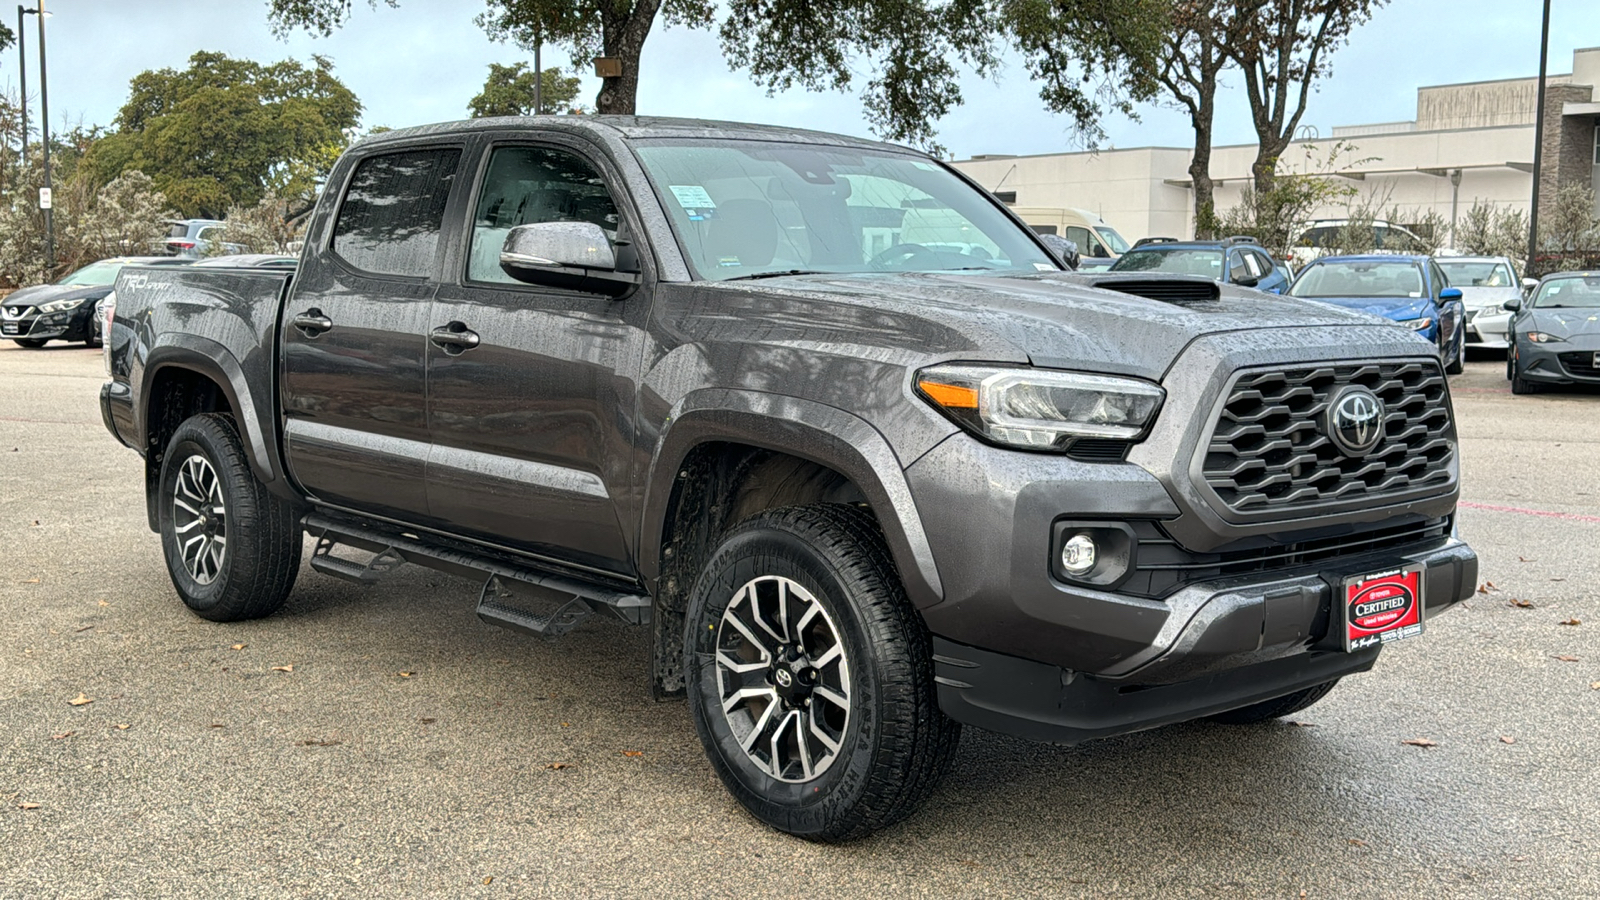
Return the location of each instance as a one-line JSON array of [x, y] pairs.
[[742, 694], [818, 733], [828, 694], [185, 528], [755, 732], [826, 659], [733, 665], [777, 736], [744, 630]]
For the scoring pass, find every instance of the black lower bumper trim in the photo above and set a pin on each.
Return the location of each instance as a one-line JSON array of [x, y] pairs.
[[1041, 702]]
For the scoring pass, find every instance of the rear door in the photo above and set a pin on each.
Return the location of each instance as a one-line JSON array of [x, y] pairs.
[[532, 389], [354, 335]]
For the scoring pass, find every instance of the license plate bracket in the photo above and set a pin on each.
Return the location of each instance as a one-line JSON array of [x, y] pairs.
[[1381, 607]]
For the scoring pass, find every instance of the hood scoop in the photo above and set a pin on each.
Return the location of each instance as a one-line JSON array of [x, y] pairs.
[[1168, 290]]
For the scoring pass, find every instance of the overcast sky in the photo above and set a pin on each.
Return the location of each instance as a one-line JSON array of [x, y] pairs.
[[424, 61]]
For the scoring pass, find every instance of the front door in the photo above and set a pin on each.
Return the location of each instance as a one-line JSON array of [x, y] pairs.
[[531, 389], [354, 358]]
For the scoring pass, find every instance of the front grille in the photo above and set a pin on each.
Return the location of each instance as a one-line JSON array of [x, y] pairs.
[[1581, 363], [1162, 565], [1269, 453]]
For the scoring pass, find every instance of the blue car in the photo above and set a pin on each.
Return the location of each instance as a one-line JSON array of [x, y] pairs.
[[1235, 260], [1411, 290]]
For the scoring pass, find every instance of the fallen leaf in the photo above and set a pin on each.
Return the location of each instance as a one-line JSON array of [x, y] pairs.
[[216, 725], [633, 753], [237, 647], [1558, 579], [428, 721], [29, 581], [80, 700], [1594, 685], [1525, 559], [1521, 604], [559, 766], [488, 878], [122, 726], [102, 603], [1486, 587], [64, 734], [288, 668], [83, 629], [1507, 739], [1357, 842], [1571, 622], [316, 743], [566, 724], [1566, 658], [1420, 742], [405, 674], [36, 523], [1304, 724], [27, 805]]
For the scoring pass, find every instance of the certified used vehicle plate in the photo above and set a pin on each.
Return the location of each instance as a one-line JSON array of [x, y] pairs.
[[1382, 607]]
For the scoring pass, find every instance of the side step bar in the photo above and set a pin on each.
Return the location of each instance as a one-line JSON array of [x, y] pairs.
[[511, 597]]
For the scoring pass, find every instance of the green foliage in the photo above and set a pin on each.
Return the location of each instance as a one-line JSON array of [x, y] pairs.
[[509, 91], [1489, 230], [7, 37], [1568, 223], [120, 218], [1278, 215], [226, 131], [262, 228]]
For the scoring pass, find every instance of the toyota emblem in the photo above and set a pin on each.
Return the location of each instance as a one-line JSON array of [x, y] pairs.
[[1355, 421]]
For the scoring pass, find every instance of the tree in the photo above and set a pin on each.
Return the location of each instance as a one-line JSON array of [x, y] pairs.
[[265, 227], [1284, 50], [119, 218], [912, 47], [509, 91], [226, 131]]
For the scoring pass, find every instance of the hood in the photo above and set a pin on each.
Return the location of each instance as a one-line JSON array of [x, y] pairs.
[[1396, 308], [1056, 320], [1484, 297], [44, 293], [1565, 323]]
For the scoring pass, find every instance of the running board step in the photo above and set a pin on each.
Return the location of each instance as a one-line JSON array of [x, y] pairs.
[[511, 593]]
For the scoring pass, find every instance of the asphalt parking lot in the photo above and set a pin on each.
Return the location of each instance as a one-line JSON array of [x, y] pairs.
[[383, 742]]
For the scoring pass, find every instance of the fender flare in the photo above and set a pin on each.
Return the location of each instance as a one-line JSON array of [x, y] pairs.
[[823, 434], [204, 356]]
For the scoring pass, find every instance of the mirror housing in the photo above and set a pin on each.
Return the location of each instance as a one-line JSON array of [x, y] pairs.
[[571, 255], [1450, 293], [1512, 306], [1248, 281], [1063, 249], [1528, 284]]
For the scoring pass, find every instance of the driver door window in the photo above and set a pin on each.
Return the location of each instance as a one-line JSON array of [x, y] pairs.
[[526, 185]]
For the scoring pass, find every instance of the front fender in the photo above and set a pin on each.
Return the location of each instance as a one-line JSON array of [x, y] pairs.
[[822, 434], [253, 410]]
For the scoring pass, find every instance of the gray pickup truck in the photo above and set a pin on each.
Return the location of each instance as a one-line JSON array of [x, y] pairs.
[[865, 455]]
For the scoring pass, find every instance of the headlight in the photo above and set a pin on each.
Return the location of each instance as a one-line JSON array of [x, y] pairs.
[[1545, 337], [59, 305], [1040, 409], [1416, 324]]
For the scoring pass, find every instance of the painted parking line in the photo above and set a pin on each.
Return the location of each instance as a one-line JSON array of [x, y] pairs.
[[1542, 513]]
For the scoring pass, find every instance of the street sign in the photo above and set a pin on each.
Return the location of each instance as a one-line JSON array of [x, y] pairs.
[[44, 198]]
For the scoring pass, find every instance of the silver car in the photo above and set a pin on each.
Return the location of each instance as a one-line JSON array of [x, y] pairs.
[[1486, 282]]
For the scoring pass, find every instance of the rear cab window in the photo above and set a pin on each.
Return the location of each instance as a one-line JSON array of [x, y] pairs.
[[393, 211]]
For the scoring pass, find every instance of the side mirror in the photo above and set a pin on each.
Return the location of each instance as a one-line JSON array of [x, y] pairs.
[[1449, 294], [1528, 284], [1247, 281], [1099, 251], [1062, 249], [572, 255], [1512, 306]]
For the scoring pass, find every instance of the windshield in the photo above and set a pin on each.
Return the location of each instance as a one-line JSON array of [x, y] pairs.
[[1359, 279], [1557, 293], [1205, 263], [742, 209], [1477, 274], [1112, 239], [93, 275]]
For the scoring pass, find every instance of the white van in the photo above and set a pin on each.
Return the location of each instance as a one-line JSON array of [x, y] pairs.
[[1099, 244]]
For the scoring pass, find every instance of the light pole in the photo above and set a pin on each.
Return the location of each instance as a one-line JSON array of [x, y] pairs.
[[1538, 142], [44, 140], [22, 66]]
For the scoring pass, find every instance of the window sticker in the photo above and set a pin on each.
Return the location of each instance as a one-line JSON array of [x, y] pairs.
[[1415, 294], [692, 196], [1044, 267], [727, 262]]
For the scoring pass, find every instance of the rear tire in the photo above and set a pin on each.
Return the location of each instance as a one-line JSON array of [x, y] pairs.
[[810, 675], [1274, 709], [232, 548]]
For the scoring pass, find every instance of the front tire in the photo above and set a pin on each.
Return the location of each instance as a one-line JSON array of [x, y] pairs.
[[810, 675], [1288, 704], [1459, 364], [32, 343], [1520, 385], [232, 548]]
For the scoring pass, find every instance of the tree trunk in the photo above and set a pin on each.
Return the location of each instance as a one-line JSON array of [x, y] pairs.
[[622, 38], [1265, 169], [1205, 204]]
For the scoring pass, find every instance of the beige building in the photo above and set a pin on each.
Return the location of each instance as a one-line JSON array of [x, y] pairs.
[[1468, 142]]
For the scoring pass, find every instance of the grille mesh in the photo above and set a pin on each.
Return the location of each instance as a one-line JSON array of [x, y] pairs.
[[1269, 452]]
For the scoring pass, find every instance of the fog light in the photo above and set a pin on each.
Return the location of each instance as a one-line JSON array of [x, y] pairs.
[[1078, 555]]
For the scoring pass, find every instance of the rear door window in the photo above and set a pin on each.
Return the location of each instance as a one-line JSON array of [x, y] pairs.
[[393, 211]]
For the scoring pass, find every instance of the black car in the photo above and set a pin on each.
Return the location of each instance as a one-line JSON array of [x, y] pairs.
[[1555, 335], [1234, 260], [64, 311]]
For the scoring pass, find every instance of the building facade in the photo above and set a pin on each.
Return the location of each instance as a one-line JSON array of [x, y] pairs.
[[1468, 142]]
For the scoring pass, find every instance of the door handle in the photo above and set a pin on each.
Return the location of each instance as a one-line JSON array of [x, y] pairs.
[[312, 322], [454, 339]]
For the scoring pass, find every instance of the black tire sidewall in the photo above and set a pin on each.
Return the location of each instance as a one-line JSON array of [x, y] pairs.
[[187, 443], [799, 808]]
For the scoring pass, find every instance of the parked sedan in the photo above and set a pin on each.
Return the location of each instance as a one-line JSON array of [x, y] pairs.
[[1411, 290], [1236, 260], [1556, 333], [1486, 283], [64, 311]]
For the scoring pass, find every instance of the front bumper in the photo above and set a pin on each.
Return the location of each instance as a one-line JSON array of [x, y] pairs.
[[1567, 362], [68, 324], [1490, 327]]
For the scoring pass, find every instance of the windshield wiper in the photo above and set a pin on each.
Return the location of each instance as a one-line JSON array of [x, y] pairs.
[[778, 274]]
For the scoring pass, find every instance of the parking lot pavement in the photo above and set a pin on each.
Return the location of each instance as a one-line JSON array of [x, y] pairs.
[[381, 741]]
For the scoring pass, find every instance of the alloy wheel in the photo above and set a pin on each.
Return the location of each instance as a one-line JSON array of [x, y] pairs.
[[200, 519], [783, 679]]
